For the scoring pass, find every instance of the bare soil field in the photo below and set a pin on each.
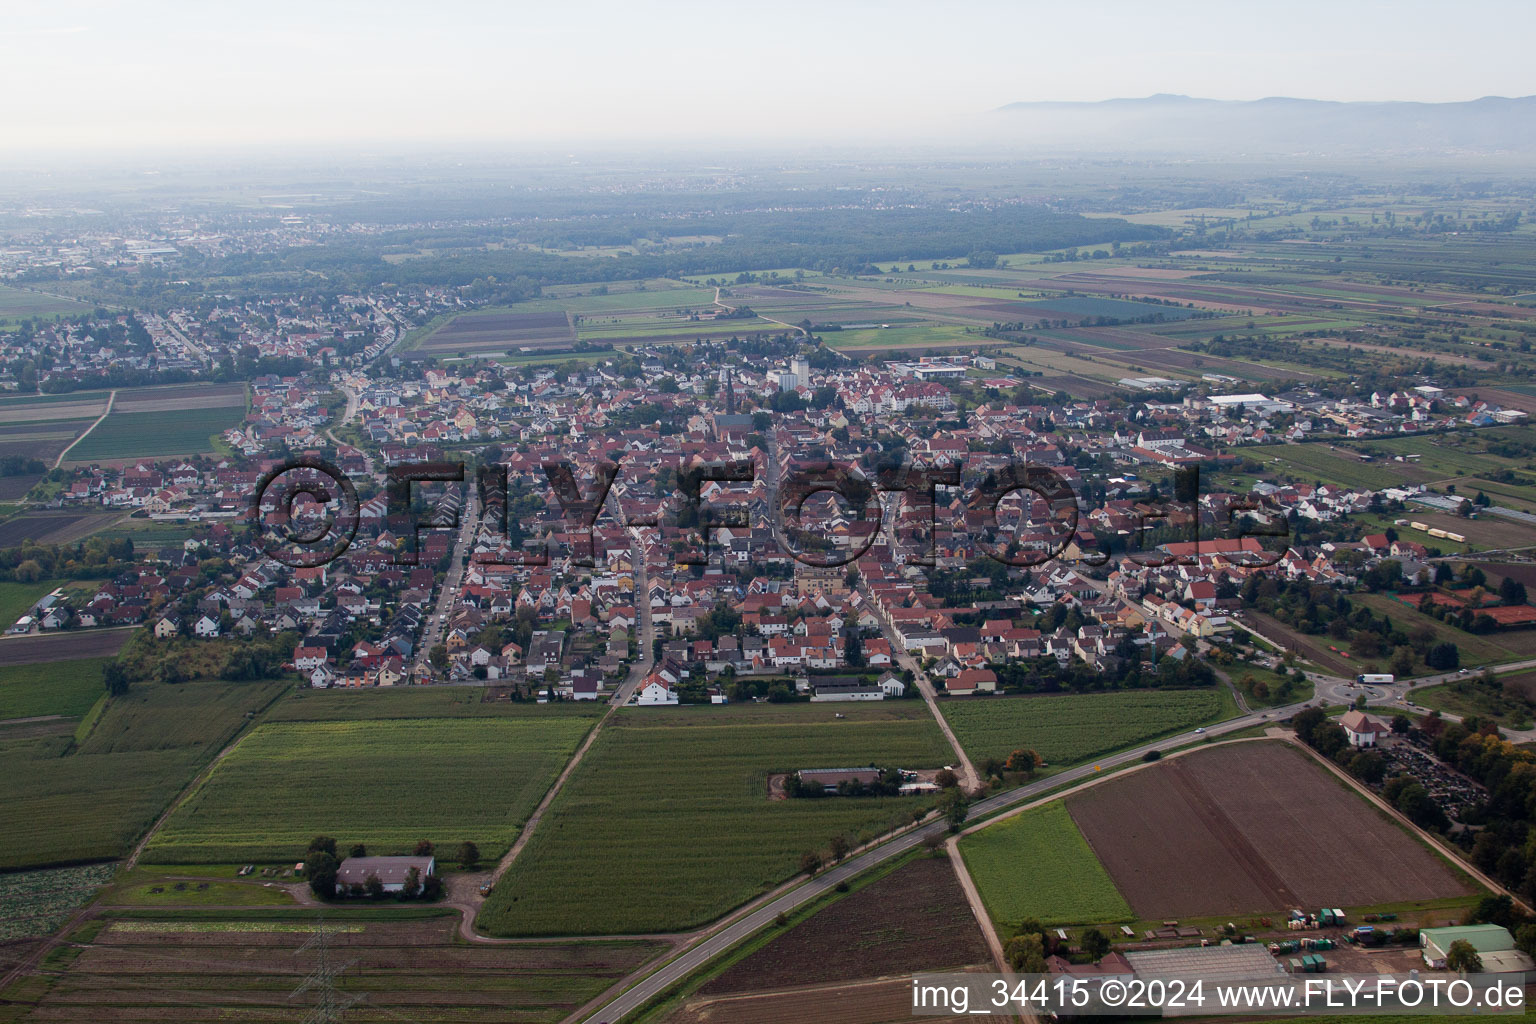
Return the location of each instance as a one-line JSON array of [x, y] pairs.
[[502, 331], [1511, 399], [914, 919], [44, 528], [868, 1002], [86, 409], [182, 396], [408, 970], [1251, 827], [76, 643]]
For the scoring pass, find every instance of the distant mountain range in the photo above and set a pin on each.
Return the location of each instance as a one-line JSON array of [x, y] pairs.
[[1184, 124]]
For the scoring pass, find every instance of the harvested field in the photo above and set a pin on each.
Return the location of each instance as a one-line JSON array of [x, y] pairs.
[[409, 970], [914, 919], [13, 488], [867, 1002], [1077, 387], [182, 396], [1250, 827], [80, 643], [77, 408]]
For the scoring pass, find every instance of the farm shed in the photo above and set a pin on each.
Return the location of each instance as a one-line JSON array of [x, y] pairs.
[[1493, 943], [392, 871], [830, 778], [847, 689]]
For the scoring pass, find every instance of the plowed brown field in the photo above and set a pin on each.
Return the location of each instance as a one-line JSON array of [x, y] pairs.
[[1251, 827]]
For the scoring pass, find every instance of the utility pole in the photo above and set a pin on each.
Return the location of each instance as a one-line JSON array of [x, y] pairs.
[[330, 1002]]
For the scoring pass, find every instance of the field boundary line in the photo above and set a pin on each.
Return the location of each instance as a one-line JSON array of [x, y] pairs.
[[1392, 812], [244, 729], [111, 399]]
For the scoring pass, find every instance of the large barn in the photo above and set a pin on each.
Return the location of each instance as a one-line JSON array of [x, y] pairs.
[[391, 871]]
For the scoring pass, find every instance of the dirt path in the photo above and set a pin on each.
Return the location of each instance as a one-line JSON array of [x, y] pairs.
[[978, 909], [731, 309], [470, 901], [111, 398]]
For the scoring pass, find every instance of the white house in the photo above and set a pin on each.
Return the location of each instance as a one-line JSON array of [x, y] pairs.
[[207, 626], [892, 686], [656, 692]]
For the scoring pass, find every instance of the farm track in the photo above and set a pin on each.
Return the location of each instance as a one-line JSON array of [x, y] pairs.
[[111, 398]]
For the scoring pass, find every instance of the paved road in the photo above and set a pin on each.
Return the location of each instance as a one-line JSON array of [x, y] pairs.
[[736, 931], [1339, 690], [437, 626]]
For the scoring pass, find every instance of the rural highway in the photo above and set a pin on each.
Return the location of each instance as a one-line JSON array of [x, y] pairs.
[[718, 942]]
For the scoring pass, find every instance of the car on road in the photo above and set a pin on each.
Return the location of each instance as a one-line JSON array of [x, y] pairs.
[[1200, 730]]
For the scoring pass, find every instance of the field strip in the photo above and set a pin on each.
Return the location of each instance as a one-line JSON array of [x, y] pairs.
[[111, 397]]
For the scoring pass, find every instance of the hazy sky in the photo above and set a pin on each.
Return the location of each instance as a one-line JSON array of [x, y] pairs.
[[96, 74]]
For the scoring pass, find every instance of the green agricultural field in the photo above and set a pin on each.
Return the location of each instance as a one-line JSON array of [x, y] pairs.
[[17, 598], [165, 716], [90, 799], [18, 304], [1037, 864], [667, 823], [1314, 461], [68, 809], [130, 435], [67, 688], [1068, 729], [1467, 696], [872, 339], [384, 783]]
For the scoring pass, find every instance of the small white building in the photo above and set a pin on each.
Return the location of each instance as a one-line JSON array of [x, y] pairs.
[[1363, 730]]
